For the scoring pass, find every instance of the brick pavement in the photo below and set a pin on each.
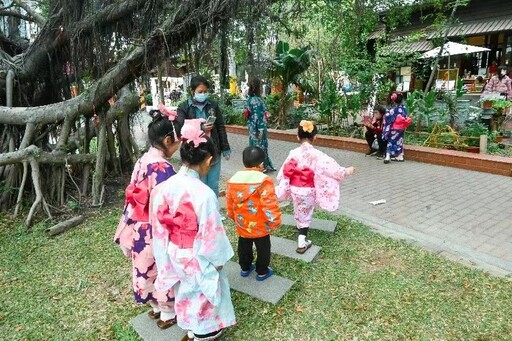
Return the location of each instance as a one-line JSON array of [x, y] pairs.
[[461, 214]]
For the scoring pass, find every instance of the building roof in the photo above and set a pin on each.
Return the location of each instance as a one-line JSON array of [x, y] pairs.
[[478, 17]]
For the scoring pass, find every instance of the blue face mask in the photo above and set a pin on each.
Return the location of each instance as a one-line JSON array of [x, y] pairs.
[[200, 97]]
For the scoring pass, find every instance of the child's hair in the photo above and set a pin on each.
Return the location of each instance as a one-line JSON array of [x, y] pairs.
[[195, 155], [307, 134], [253, 156], [254, 87], [161, 127], [198, 80], [381, 109]]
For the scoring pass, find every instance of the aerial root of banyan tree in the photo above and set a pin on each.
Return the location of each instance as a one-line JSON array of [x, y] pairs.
[[46, 156]]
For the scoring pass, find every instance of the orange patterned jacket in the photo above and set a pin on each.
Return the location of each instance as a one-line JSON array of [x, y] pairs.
[[252, 203]]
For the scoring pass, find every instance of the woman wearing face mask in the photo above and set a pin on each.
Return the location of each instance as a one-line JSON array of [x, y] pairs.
[[500, 83], [198, 106]]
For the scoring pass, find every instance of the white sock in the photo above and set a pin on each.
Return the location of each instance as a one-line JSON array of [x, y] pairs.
[[302, 240], [166, 316], [388, 156], [154, 305]]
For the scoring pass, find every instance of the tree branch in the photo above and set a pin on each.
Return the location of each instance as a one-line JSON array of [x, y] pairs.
[[38, 18]]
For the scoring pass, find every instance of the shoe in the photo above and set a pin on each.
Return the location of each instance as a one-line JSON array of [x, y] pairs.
[[166, 324], [248, 272], [154, 316], [380, 156], [302, 249], [269, 273], [386, 161], [397, 159], [371, 153], [209, 337]]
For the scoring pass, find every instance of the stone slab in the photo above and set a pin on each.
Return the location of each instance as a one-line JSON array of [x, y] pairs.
[[149, 331], [287, 248], [270, 290], [316, 224]]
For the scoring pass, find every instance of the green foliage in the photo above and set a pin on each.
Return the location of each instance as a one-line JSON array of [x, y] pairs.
[[288, 63], [329, 104], [232, 116], [422, 107], [474, 130], [272, 103], [148, 98]]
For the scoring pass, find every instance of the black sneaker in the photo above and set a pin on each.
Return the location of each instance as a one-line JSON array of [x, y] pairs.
[[371, 153]]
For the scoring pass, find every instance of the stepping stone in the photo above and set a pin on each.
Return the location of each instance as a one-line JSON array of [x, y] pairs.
[[149, 331], [316, 224], [270, 290], [286, 247]]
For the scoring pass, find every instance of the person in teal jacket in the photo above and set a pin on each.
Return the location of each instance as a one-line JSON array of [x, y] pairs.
[[257, 122]]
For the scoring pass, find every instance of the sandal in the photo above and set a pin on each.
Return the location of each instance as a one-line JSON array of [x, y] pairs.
[[166, 324], [153, 315], [248, 272], [269, 273], [303, 249]]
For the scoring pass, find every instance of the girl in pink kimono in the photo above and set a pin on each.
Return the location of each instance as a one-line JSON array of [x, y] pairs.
[[186, 211], [309, 177], [134, 233]]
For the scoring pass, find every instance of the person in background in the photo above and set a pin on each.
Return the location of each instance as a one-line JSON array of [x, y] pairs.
[[252, 204], [374, 132], [187, 211], [493, 69], [257, 122], [198, 106], [500, 83], [393, 132], [135, 234]]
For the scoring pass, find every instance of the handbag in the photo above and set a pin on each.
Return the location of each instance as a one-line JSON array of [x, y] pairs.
[[247, 113], [375, 144], [401, 122]]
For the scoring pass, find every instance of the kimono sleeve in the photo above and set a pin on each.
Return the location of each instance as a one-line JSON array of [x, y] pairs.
[[330, 168], [212, 244], [270, 205], [123, 235]]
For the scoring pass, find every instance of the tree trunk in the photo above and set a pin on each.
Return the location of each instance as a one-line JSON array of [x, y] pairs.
[[97, 180]]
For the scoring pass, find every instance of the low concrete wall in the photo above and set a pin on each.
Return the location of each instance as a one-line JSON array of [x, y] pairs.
[[451, 158]]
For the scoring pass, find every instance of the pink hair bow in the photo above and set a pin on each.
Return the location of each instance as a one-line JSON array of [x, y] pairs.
[[171, 114], [394, 97], [192, 132]]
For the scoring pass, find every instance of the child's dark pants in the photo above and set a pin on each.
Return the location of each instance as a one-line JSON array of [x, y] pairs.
[[245, 254]]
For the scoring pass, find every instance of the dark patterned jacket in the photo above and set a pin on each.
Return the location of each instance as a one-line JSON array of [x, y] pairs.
[[218, 133]]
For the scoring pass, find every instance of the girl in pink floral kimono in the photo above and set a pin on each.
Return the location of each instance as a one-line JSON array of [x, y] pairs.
[[309, 177], [134, 233], [186, 211]]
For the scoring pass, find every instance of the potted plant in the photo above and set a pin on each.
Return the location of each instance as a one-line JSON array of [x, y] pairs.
[[501, 107]]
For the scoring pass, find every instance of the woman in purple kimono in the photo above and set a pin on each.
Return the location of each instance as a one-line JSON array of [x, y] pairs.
[[134, 233], [186, 211], [392, 132]]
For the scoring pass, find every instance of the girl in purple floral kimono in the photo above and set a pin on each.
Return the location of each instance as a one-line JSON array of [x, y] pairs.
[[134, 233], [393, 133], [186, 211]]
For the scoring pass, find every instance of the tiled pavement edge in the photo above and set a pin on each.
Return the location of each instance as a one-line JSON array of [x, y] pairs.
[[458, 213]]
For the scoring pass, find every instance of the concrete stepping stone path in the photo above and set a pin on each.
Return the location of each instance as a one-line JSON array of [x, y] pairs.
[[270, 290], [287, 248]]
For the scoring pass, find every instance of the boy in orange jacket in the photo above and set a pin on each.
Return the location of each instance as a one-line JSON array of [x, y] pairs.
[[252, 204]]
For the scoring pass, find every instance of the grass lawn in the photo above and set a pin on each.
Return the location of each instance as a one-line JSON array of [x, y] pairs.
[[363, 286]]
